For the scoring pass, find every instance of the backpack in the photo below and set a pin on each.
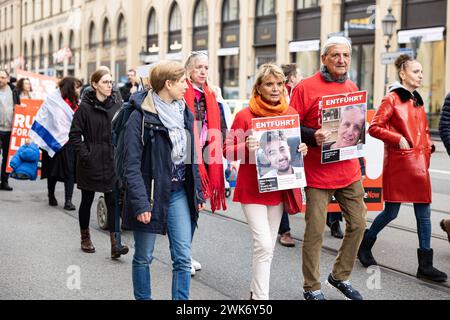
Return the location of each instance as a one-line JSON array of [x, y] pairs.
[[118, 138]]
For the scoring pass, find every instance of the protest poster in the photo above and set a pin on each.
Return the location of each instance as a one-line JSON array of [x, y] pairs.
[[344, 115], [278, 162], [373, 182], [42, 85], [24, 115]]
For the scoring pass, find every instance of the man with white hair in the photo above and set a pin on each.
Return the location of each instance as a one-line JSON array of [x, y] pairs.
[[341, 179]]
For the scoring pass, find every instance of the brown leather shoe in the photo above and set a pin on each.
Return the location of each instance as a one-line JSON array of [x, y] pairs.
[[445, 225], [286, 240], [86, 243]]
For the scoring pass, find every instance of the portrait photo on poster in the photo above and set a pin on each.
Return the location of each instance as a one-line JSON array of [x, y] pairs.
[[279, 164], [345, 119]]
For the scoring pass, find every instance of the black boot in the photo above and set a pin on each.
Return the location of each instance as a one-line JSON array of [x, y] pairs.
[[117, 249], [69, 206], [426, 269], [336, 230], [52, 200], [365, 251], [5, 186]]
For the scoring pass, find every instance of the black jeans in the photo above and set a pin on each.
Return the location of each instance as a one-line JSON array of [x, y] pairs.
[[5, 138], [284, 225], [84, 214]]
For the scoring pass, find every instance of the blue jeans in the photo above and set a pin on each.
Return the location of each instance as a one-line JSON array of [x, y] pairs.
[[391, 209], [180, 234]]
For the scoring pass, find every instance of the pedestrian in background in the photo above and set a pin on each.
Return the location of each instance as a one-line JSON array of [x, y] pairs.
[[164, 192], [262, 211], [91, 136], [24, 89], [209, 123], [132, 86], [340, 179], [8, 100], [292, 76], [444, 131], [408, 149], [61, 167]]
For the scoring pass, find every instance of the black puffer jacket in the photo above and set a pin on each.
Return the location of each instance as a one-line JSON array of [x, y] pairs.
[[90, 134], [444, 124]]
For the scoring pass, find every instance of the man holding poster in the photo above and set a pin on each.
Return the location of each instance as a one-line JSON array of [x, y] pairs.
[[339, 179]]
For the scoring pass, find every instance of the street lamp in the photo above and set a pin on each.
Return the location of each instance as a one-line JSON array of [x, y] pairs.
[[388, 24]]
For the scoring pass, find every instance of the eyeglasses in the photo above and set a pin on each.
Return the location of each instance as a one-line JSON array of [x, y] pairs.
[[198, 53], [108, 82]]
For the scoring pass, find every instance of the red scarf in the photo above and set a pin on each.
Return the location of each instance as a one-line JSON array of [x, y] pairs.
[[213, 185]]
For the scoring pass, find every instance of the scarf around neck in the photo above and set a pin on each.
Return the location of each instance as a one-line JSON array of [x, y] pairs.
[[172, 116], [263, 109], [212, 177], [328, 78]]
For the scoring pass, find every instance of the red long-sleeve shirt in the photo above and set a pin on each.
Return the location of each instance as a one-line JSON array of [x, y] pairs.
[[305, 99]]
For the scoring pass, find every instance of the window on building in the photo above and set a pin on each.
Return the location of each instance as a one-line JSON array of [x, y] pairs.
[[175, 29], [265, 8], [152, 25], [61, 41], [50, 52], [106, 41], [304, 4], [230, 10], [25, 56], [6, 57], [33, 55], [25, 13], [61, 4], [175, 18], [51, 8], [121, 31], [11, 53], [72, 47], [33, 6], [1, 61], [201, 14], [41, 54], [6, 18], [92, 38], [152, 32], [12, 16]]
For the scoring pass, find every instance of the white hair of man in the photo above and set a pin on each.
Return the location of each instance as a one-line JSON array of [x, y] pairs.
[[333, 41]]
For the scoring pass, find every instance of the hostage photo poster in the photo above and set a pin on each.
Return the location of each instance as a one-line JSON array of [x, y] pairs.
[[279, 164], [344, 115]]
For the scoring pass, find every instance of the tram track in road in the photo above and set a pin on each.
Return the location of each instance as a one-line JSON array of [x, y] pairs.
[[443, 287]]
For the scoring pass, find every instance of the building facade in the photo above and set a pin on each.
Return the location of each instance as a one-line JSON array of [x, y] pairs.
[[60, 37]]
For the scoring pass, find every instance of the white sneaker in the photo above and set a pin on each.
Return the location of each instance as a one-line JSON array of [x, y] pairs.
[[192, 271], [196, 265]]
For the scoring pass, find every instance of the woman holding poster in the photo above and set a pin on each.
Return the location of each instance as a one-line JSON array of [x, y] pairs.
[[401, 123], [263, 212]]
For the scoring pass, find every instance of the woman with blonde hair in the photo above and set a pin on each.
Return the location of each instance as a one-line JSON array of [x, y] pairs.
[[263, 212]]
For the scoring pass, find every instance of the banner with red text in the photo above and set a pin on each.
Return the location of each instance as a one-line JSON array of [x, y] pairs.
[[24, 115], [42, 85]]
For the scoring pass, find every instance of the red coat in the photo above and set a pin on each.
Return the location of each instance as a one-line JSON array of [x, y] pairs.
[[405, 173], [247, 191]]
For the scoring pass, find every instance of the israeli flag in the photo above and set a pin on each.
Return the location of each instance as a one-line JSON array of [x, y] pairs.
[[50, 129]]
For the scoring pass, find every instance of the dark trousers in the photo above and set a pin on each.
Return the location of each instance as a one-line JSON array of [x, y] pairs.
[[284, 225], [84, 214], [5, 138], [333, 217], [69, 183]]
